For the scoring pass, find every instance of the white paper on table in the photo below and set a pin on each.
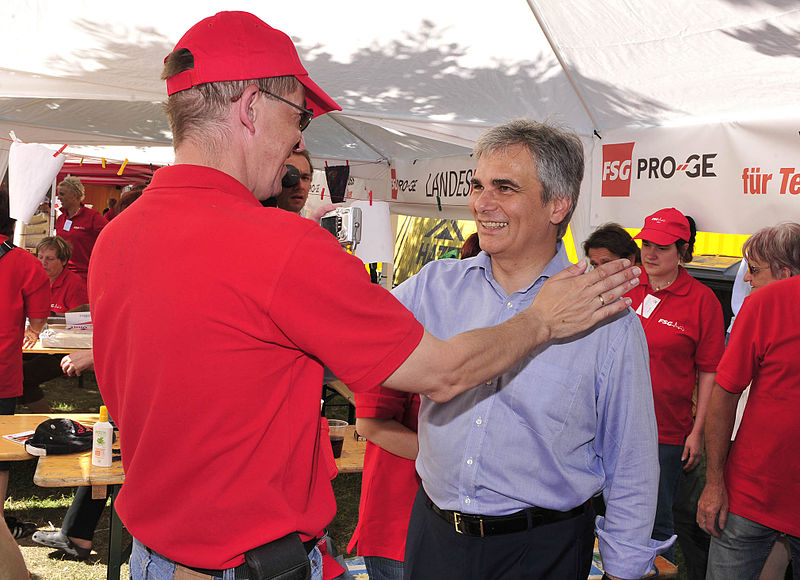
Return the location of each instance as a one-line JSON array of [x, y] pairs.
[[31, 170], [376, 232], [78, 320]]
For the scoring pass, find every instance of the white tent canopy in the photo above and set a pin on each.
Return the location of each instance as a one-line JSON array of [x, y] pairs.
[[419, 80]]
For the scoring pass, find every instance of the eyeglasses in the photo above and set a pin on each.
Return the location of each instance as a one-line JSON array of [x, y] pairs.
[[305, 114], [753, 271]]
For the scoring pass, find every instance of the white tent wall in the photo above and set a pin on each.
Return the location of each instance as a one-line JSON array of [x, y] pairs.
[[423, 81]]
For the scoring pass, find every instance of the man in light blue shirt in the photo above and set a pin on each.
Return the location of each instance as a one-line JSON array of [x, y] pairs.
[[509, 468]]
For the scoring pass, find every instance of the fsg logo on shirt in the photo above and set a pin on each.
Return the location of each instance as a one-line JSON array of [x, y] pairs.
[[617, 165]]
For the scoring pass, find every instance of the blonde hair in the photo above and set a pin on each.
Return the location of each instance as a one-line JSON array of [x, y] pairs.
[[75, 185]]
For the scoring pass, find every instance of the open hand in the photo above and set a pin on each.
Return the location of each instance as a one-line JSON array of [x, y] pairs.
[[571, 301]]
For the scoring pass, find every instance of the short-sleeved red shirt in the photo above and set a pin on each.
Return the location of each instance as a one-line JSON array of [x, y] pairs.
[[213, 317], [389, 483], [685, 334], [762, 473], [67, 291], [24, 292], [84, 227]]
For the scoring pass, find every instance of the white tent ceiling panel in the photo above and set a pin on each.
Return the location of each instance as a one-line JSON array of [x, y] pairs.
[[682, 60], [421, 82]]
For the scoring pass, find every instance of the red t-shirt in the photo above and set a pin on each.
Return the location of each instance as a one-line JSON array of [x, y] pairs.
[[389, 483], [24, 292], [762, 474], [67, 291], [211, 328], [81, 232], [685, 334]]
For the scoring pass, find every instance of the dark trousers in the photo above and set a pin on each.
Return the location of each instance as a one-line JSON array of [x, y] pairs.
[[38, 369], [557, 551], [693, 541], [83, 514]]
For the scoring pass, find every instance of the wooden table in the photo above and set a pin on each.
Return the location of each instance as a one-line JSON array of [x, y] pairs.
[[39, 349], [71, 470], [10, 451], [352, 459]]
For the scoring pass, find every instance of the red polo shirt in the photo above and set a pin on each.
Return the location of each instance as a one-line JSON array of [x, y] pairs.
[[211, 328], [389, 483], [84, 227], [685, 334], [67, 291], [24, 292], [762, 474]]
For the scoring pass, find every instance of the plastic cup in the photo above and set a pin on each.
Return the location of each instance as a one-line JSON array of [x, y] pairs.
[[337, 430]]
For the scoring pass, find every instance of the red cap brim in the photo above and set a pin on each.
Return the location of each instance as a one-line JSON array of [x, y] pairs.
[[316, 99], [656, 237]]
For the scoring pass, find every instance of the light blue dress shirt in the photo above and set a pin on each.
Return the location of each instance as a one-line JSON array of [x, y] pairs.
[[574, 418]]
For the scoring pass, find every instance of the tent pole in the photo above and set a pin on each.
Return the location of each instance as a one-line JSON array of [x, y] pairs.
[[563, 64], [360, 138]]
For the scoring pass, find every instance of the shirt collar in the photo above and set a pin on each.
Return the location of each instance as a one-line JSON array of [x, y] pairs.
[[202, 177], [553, 267]]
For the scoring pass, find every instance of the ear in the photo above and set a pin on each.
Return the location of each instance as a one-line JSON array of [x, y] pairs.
[[245, 110], [784, 273], [559, 208]]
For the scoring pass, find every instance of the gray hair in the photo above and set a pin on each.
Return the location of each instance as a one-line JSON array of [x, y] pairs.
[[557, 154], [199, 113], [778, 246]]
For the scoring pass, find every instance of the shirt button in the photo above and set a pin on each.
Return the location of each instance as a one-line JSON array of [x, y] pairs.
[[469, 461], [478, 421], [467, 500], [509, 305]]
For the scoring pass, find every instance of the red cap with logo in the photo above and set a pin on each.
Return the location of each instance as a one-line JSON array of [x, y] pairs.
[[238, 46], [665, 227]]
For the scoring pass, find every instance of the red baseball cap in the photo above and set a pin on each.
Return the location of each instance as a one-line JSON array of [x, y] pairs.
[[665, 227], [239, 46]]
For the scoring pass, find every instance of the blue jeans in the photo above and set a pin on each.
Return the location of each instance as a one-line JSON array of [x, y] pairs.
[[383, 568], [149, 565], [669, 459], [742, 549]]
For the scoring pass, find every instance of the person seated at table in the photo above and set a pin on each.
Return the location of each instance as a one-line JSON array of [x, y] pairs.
[[77, 530], [610, 242], [67, 291]]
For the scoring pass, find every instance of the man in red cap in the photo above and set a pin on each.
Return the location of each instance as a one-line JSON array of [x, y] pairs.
[[210, 359]]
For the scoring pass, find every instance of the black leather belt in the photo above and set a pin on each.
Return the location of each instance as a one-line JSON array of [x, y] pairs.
[[481, 526]]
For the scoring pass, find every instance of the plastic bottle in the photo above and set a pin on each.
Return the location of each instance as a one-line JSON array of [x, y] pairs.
[[102, 440]]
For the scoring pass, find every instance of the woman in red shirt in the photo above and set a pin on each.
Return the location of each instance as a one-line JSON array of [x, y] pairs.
[[683, 323], [67, 291], [78, 224]]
